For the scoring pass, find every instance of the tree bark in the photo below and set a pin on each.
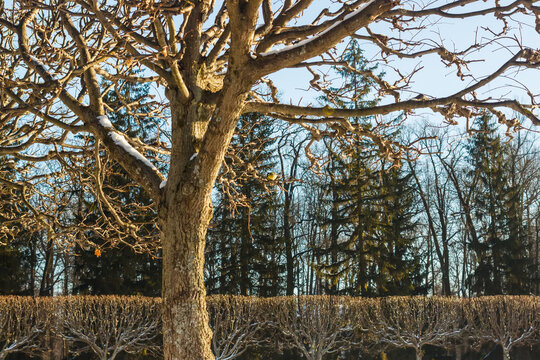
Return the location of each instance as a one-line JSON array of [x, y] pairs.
[[288, 240], [185, 210], [186, 333]]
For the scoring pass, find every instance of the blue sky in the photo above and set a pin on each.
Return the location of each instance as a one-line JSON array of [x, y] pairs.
[[435, 79]]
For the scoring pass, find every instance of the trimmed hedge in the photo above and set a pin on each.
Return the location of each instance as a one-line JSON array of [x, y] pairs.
[[313, 327]]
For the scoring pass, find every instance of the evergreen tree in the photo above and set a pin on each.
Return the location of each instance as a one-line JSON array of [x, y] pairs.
[[244, 248], [500, 251], [15, 264], [370, 225], [400, 272]]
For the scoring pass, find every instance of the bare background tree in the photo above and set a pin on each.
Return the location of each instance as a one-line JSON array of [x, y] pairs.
[[213, 58]]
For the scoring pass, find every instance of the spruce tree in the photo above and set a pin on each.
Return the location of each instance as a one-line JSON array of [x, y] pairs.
[[15, 254], [501, 252], [245, 249], [370, 227]]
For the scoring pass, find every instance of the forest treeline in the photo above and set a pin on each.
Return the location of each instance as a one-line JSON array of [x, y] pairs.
[[458, 216], [462, 219], [308, 327]]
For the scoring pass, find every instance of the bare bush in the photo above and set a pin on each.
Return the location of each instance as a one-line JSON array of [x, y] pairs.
[[508, 321], [235, 322], [365, 313], [314, 325], [109, 325], [23, 321], [413, 322]]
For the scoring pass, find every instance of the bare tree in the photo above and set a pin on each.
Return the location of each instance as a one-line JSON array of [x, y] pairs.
[[365, 313], [434, 191], [23, 321], [109, 325], [59, 58], [508, 321], [235, 322], [314, 325], [413, 322]]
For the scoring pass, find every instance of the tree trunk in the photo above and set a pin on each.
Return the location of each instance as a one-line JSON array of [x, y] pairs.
[[46, 287], [288, 241], [184, 212], [459, 352], [506, 353], [245, 251], [186, 334], [418, 353], [446, 290]]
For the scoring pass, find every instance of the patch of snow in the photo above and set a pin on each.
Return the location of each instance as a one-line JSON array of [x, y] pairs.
[[193, 156], [121, 141], [163, 184], [105, 122], [313, 38], [36, 60]]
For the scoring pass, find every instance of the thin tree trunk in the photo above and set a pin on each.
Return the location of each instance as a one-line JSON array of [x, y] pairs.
[[46, 281], [33, 264], [459, 352], [537, 258], [288, 241], [506, 353], [245, 251]]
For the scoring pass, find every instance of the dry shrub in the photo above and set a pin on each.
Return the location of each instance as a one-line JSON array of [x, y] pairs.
[[23, 322], [364, 313], [314, 325], [413, 322], [508, 321], [108, 325], [236, 324]]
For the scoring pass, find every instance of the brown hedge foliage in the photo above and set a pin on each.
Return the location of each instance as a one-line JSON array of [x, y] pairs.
[[413, 322], [315, 326], [23, 322], [108, 325], [508, 321], [236, 323]]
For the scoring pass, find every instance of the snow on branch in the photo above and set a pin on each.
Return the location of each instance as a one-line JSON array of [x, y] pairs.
[[120, 140], [319, 35]]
